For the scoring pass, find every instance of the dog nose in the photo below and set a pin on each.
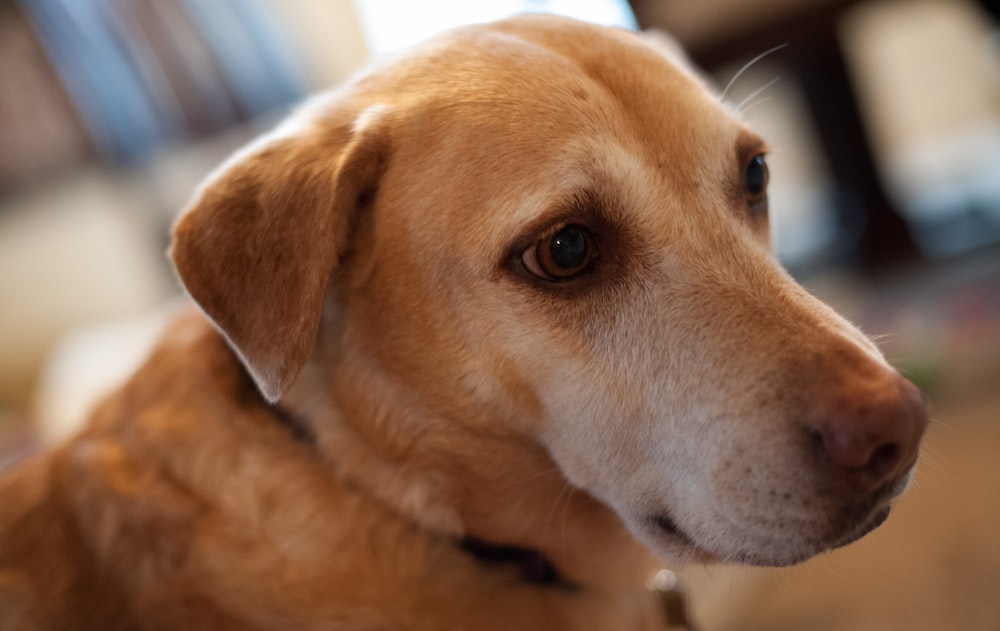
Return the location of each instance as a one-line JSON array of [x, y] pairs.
[[871, 434]]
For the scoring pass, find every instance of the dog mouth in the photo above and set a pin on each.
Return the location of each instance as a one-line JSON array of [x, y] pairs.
[[667, 525], [874, 520], [664, 524]]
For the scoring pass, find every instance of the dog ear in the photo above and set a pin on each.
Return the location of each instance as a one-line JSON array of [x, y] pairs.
[[257, 246]]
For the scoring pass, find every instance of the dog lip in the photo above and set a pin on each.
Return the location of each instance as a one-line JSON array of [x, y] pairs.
[[667, 524], [897, 487], [874, 520]]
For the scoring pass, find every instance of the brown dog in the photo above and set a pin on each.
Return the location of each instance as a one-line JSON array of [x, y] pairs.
[[510, 304]]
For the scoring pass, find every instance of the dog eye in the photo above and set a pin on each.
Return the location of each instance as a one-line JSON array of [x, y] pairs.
[[755, 180], [561, 255]]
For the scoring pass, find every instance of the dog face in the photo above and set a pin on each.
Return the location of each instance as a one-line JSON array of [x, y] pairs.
[[519, 282]]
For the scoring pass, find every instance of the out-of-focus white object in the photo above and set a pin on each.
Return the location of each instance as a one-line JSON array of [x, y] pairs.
[[929, 78], [88, 364], [389, 25], [73, 250]]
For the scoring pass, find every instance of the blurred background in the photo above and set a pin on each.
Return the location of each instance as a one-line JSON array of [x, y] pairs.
[[885, 120]]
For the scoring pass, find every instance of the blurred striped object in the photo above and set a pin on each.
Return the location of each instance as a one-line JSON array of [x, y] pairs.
[[143, 74]]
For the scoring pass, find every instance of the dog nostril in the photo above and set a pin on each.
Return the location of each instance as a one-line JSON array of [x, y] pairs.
[[884, 458], [816, 439], [860, 460], [854, 449]]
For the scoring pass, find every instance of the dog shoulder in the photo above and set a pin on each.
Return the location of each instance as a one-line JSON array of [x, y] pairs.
[[76, 522], [47, 574]]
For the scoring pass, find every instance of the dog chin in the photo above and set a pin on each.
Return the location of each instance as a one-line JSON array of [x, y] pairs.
[[794, 556], [672, 543]]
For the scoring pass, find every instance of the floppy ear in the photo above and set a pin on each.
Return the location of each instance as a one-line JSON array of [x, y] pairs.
[[258, 244]]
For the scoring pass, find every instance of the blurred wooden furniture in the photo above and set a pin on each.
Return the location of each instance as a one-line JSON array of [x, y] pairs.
[[873, 234]]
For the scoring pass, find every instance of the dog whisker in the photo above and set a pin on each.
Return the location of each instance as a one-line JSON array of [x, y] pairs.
[[564, 518], [878, 338], [925, 456], [740, 106], [564, 498], [533, 476], [754, 104], [943, 424], [747, 66]]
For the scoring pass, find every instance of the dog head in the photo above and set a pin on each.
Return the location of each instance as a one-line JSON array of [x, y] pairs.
[[519, 282]]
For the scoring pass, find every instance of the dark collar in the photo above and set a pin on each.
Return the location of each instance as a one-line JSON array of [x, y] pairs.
[[299, 429], [533, 567]]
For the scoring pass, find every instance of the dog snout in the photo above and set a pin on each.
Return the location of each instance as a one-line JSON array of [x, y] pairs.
[[869, 433]]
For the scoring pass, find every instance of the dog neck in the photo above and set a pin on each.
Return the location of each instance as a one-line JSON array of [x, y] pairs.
[[532, 566]]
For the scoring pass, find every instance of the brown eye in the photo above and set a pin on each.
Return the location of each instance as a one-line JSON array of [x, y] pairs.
[[561, 255], [755, 180]]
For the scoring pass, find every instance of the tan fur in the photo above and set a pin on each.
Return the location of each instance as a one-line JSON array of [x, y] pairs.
[[362, 265]]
